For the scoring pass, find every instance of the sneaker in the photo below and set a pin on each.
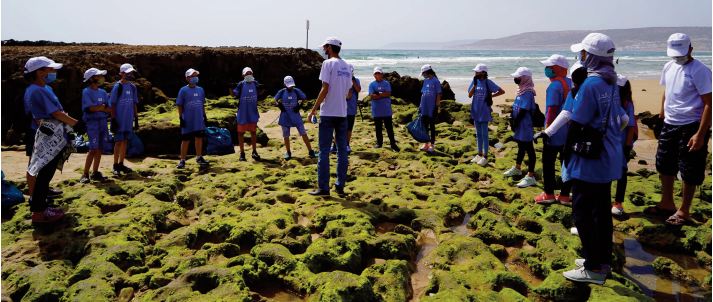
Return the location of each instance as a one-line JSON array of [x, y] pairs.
[[574, 231], [377, 146], [312, 154], [564, 200], [424, 147], [476, 159], [116, 170], [49, 215], [84, 179], [255, 155], [512, 172], [181, 164], [319, 192], [54, 192], [339, 190], [124, 168], [395, 148], [584, 275], [287, 156], [333, 149], [242, 156], [430, 148], [97, 176], [201, 161], [617, 210], [545, 198], [483, 161], [526, 181]]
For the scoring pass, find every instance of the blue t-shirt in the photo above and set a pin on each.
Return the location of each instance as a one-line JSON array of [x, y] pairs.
[[290, 99], [247, 108], [352, 103], [91, 98], [124, 105], [429, 92], [479, 110], [523, 105], [380, 107], [555, 97], [193, 102], [594, 99], [40, 103]]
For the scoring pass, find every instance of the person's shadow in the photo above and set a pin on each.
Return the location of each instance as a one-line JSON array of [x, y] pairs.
[[60, 241]]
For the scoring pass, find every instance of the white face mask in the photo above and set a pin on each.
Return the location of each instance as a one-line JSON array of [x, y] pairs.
[[249, 78], [680, 60]]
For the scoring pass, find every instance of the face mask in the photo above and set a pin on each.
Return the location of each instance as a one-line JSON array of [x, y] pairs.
[[129, 77], [50, 77], [193, 80], [249, 78], [680, 60], [549, 72], [517, 80]]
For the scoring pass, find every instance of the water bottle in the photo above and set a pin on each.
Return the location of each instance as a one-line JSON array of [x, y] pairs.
[[314, 119]]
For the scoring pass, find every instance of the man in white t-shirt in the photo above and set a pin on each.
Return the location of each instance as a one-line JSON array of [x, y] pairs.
[[683, 143], [336, 77]]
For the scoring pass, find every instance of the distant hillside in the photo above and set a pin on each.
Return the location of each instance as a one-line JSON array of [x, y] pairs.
[[650, 38]]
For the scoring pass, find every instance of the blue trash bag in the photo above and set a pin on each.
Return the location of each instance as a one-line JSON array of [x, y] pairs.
[[11, 195], [218, 141], [418, 131], [80, 144], [135, 147]]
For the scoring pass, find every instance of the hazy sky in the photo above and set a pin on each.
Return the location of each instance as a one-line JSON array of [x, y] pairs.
[[360, 24]]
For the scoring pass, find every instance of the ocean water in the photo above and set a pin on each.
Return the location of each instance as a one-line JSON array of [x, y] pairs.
[[455, 66]]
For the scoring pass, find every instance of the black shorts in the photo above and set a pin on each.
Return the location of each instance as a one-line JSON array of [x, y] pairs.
[[350, 120], [192, 135], [672, 155], [29, 141]]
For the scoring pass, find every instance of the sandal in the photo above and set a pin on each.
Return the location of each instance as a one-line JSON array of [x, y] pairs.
[[659, 212], [677, 220]]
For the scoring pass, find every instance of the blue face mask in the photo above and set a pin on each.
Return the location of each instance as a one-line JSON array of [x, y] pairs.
[[549, 72], [50, 77], [193, 80]]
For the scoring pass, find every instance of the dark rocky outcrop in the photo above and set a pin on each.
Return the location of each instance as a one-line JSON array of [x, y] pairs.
[[409, 88]]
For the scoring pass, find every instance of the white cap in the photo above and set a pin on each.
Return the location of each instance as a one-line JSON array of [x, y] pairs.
[[678, 45], [126, 68], [92, 72], [246, 70], [575, 66], [556, 59], [332, 41], [621, 79], [191, 71], [40, 62], [378, 69], [480, 68], [522, 71], [596, 44], [426, 67], [289, 82]]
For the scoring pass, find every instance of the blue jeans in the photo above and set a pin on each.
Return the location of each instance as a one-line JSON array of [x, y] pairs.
[[332, 127], [481, 129]]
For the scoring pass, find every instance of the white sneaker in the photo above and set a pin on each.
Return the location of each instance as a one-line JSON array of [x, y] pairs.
[[574, 231], [579, 262], [617, 211], [526, 182], [483, 161], [475, 159], [424, 147], [512, 172], [584, 275]]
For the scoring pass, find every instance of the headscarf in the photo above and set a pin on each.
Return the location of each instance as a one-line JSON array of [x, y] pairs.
[[602, 67], [525, 85]]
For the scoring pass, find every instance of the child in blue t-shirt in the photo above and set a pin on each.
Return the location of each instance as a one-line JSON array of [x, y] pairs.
[[629, 136], [191, 115], [522, 127], [247, 115], [380, 93], [480, 109], [123, 101], [95, 107], [289, 100]]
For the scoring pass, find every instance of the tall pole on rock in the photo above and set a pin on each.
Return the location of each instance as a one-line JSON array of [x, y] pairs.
[[307, 41]]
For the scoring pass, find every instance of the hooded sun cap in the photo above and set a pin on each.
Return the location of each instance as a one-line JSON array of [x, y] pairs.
[[426, 67], [332, 41], [522, 71], [678, 45], [481, 68], [246, 70], [556, 59], [621, 80], [289, 82], [191, 71], [597, 44], [378, 69], [92, 72], [126, 68], [40, 62]]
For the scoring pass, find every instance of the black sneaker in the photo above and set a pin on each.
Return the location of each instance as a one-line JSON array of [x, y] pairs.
[[242, 156], [97, 176], [377, 146], [395, 148], [201, 161], [312, 154], [319, 192], [116, 170], [181, 164], [255, 155], [287, 156], [339, 190], [125, 169]]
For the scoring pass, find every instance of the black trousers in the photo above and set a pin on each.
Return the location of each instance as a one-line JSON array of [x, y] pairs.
[[591, 210], [529, 148], [38, 202], [430, 123], [380, 123], [621, 183], [549, 158]]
